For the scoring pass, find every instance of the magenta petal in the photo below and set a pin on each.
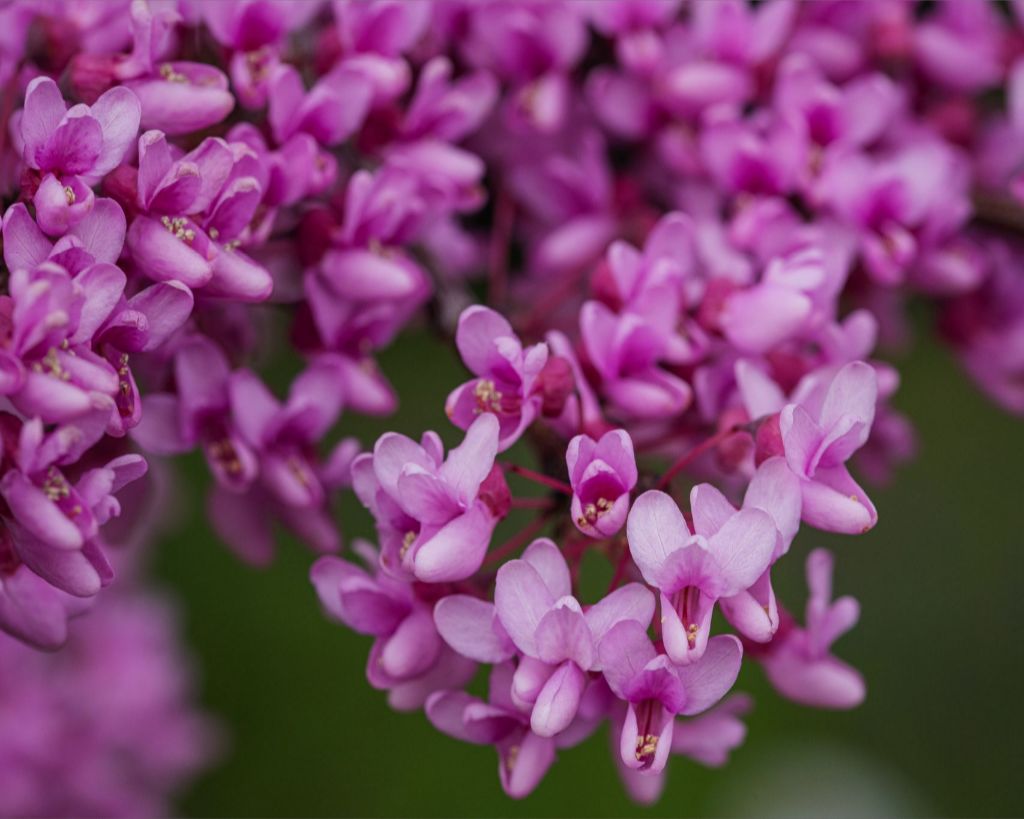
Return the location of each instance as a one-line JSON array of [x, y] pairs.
[[528, 680], [39, 515], [73, 147], [776, 490], [102, 231], [757, 319], [478, 328], [71, 571], [32, 610], [558, 700], [711, 510], [118, 112], [184, 107], [623, 653], [166, 306], [426, 497], [677, 635], [709, 738], [446, 710], [43, 111], [236, 276], [25, 246], [457, 550], [164, 257], [57, 211]]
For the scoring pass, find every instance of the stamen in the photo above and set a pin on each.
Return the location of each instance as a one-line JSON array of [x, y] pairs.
[[646, 746], [168, 73], [407, 542]]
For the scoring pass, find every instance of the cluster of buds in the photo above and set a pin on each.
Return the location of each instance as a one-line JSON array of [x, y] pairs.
[[693, 223]]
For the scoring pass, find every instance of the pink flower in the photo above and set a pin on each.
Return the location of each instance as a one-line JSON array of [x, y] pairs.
[[73, 149], [726, 555], [656, 690], [818, 436], [798, 662], [534, 604], [602, 474], [434, 521], [506, 375]]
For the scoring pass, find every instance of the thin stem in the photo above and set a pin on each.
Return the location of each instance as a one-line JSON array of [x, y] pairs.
[[620, 570], [689, 457], [517, 540], [543, 480], [498, 250]]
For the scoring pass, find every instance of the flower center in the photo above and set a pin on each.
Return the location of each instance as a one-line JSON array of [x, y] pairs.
[[407, 542], [488, 398], [50, 365], [592, 511], [69, 194], [168, 73], [177, 228]]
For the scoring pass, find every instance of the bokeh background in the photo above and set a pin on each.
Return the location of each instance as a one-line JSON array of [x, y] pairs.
[[940, 643]]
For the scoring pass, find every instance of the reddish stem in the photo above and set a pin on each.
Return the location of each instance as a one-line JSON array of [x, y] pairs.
[[543, 480], [517, 540], [688, 458], [498, 251], [620, 570]]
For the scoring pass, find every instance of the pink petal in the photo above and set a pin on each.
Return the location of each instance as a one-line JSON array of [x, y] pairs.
[[468, 464], [743, 549], [655, 529], [630, 602], [521, 600], [468, 625], [547, 559], [710, 679], [457, 550], [558, 700]]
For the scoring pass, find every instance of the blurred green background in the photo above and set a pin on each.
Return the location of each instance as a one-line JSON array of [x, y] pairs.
[[939, 642]]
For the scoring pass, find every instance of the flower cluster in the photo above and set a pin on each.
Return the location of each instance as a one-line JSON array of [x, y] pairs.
[[104, 728], [152, 215], [694, 224]]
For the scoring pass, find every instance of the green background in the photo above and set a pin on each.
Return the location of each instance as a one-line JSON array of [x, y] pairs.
[[939, 642]]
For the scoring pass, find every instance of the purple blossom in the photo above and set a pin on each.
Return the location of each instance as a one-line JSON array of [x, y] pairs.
[[408, 658], [524, 756], [798, 662], [819, 435], [195, 211], [50, 524], [656, 690], [534, 604], [506, 375], [434, 514], [602, 474], [115, 715], [73, 148], [727, 554]]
